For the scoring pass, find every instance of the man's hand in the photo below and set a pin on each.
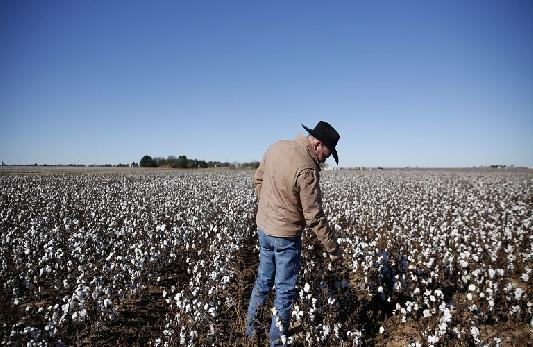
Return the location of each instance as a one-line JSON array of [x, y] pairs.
[[336, 255]]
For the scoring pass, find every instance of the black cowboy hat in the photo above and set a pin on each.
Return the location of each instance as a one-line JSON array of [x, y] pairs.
[[325, 133]]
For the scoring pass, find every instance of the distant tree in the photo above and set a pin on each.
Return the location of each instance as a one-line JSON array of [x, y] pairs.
[[182, 162], [250, 165], [160, 161], [218, 164], [147, 161]]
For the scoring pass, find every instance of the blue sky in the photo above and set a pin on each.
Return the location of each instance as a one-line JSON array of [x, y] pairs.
[[405, 83]]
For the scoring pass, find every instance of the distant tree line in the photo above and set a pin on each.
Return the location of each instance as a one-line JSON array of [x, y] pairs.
[[182, 162]]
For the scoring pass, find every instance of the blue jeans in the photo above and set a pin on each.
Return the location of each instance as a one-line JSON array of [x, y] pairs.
[[279, 263]]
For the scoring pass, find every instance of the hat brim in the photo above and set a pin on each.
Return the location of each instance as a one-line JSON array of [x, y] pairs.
[[333, 150], [335, 156]]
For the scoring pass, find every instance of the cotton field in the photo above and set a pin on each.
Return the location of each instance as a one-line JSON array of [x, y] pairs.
[[165, 257]]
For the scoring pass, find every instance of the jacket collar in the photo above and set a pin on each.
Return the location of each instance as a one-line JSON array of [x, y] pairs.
[[304, 142]]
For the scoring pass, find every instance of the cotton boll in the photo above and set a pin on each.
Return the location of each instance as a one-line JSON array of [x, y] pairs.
[[307, 288], [518, 293]]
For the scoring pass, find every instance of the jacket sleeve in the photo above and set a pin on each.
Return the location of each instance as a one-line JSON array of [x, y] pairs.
[[307, 183], [258, 177]]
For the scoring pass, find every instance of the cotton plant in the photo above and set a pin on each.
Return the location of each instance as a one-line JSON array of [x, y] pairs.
[[430, 247]]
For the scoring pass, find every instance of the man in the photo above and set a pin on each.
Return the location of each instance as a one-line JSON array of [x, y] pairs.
[[287, 186]]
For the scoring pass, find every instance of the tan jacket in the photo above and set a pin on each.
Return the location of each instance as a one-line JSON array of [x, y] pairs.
[[287, 186]]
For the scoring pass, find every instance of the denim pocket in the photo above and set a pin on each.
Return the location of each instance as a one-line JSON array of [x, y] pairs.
[[284, 243], [288, 255]]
